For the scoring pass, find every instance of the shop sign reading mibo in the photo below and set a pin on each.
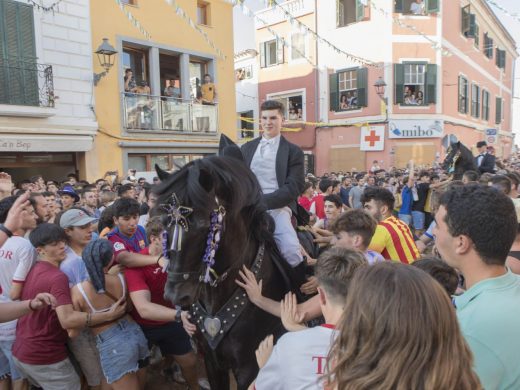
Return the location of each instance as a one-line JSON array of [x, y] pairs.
[[415, 128]]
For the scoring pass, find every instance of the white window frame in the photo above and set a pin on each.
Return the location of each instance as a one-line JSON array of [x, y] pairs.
[[352, 89], [288, 94], [267, 55]]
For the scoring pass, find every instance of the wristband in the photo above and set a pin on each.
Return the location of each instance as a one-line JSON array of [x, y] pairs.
[[89, 319], [7, 232]]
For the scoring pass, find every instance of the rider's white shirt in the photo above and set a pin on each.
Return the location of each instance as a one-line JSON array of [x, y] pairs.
[[298, 361], [263, 164]]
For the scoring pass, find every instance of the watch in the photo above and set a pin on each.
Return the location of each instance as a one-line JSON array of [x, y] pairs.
[[6, 230], [178, 314]]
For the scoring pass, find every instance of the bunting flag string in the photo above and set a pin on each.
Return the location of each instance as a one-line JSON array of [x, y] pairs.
[[54, 7], [182, 14], [136, 23]]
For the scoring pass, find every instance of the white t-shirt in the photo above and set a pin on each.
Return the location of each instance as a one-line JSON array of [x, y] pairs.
[[17, 256], [417, 9], [298, 361]]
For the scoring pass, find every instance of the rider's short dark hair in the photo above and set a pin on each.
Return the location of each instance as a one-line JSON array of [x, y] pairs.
[[485, 215], [379, 194], [125, 207], [273, 105]]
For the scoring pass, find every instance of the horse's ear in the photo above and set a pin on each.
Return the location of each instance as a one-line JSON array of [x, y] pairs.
[[161, 173], [205, 179], [228, 148]]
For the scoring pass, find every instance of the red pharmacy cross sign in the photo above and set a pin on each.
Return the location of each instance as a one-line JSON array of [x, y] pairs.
[[372, 138]]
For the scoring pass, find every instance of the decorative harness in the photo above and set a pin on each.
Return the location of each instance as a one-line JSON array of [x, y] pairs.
[[213, 327]]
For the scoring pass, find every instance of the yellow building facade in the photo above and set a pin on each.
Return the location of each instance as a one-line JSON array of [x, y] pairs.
[[157, 117]]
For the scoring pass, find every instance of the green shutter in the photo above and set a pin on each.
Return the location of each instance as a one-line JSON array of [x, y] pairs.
[[399, 6], [333, 92], [500, 58], [431, 84], [472, 24], [432, 6], [399, 83], [360, 11], [498, 110], [362, 81], [262, 55], [28, 51], [340, 12], [464, 21]]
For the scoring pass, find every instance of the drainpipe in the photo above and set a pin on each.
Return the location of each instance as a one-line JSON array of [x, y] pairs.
[[317, 83]]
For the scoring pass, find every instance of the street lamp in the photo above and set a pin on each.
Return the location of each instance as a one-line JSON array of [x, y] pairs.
[[380, 87], [105, 54]]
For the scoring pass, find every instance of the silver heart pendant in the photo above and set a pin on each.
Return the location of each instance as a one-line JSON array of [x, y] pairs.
[[212, 326]]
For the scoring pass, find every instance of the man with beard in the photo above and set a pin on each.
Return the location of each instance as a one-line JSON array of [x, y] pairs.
[[41, 207], [393, 238]]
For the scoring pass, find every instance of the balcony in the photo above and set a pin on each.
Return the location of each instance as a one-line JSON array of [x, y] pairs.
[[160, 113], [274, 15], [26, 83]]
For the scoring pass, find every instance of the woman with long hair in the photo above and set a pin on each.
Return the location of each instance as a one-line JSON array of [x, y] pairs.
[[399, 331]]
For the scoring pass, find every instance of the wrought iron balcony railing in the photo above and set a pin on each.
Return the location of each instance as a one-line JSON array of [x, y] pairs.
[[26, 83], [160, 113]]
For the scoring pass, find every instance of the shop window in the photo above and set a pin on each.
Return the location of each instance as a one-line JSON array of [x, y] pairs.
[[349, 11], [137, 162], [475, 100], [243, 73], [485, 105], [498, 110], [271, 53], [146, 162], [463, 95], [348, 89], [488, 46], [293, 105], [203, 13], [415, 84], [298, 46], [414, 8], [501, 58]]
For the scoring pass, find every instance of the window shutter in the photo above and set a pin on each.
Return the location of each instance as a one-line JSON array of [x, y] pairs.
[[472, 25], [362, 81], [28, 55], [399, 83], [279, 51], [432, 6], [498, 110], [340, 12], [262, 55], [431, 84], [464, 21], [333, 92], [399, 6], [501, 58], [360, 11]]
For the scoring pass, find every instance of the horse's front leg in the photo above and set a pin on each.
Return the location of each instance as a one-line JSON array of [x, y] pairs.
[[246, 374], [218, 377]]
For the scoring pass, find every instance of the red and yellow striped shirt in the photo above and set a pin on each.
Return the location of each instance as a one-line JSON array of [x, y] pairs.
[[394, 240]]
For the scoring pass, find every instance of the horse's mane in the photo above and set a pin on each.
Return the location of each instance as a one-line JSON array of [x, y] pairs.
[[199, 182]]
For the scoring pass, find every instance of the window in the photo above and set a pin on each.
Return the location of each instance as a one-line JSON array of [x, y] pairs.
[[501, 58], [475, 101], [412, 7], [293, 104], [271, 53], [246, 72], [463, 95], [137, 61], [498, 111], [485, 105], [349, 11], [416, 84], [476, 38], [468, 22], [298, 46], [146, 162], [488, 46], [18, 68], [203, 13], [348, 89], [247, 125]]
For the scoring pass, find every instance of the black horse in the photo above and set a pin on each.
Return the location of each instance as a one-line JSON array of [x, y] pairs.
[[459, 159], [226, 214]]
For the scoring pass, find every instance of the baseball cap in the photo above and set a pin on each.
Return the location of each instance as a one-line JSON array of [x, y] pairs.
[[75, 217]]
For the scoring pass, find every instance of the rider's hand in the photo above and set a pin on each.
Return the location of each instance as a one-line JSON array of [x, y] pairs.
[[250, 285], [292, 319], [264, 351], [187, 325], [311, 287]]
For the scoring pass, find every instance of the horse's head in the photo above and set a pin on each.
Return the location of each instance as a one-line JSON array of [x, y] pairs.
[[201, 188], [452, 155]]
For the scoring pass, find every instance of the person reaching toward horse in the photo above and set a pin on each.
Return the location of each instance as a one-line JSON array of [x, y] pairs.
[[278, 166]]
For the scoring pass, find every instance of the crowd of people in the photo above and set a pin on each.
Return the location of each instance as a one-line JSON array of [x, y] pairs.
[[412, 282]]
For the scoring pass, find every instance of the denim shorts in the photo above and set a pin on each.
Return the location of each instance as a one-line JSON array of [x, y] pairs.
[[7, 365], [418, 219], [123, 349], [406, 218]]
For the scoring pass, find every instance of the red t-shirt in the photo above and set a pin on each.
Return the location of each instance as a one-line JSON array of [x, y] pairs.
[[319, 201], [305, 202], [149, 278], [40, 339]]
